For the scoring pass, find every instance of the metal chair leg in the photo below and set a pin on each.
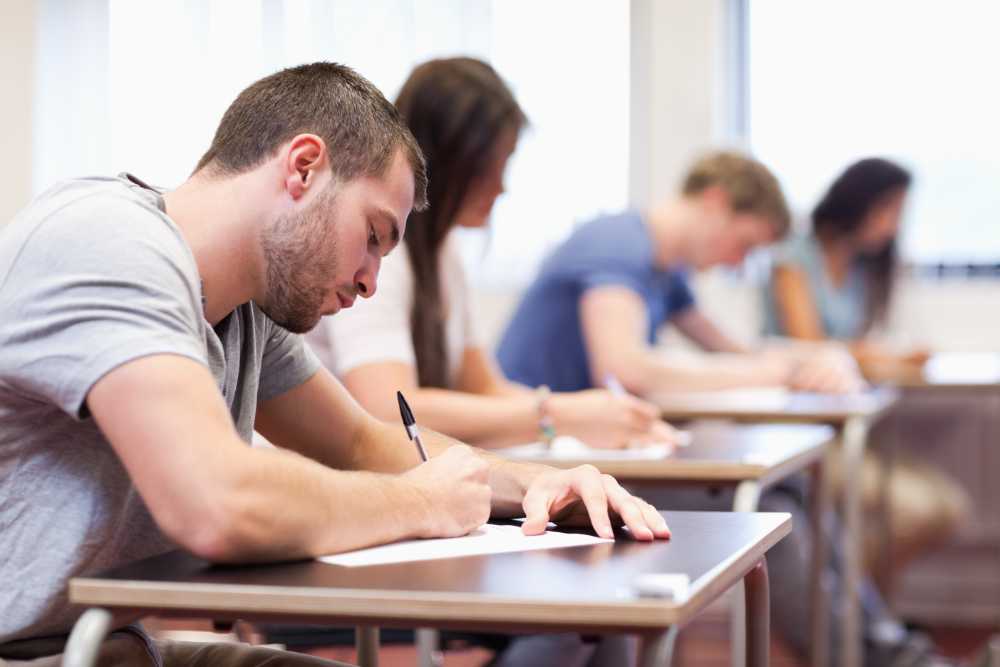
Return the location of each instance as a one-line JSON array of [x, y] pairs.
[[85, 640]]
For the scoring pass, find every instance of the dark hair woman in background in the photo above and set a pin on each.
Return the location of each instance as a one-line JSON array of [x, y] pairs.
[[837, 282]]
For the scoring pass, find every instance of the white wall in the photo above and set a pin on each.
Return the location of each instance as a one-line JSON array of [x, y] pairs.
[[17, 57], [680, 91]]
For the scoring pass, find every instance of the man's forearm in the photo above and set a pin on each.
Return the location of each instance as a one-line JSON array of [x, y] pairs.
[[711, 372], [278, 505]]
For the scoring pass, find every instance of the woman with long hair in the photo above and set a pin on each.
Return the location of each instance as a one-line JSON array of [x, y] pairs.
[[417, 333], [837, 281]]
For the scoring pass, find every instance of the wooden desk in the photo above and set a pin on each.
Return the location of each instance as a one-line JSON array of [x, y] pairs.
[[852, 416], [748, 458], [535, 591]]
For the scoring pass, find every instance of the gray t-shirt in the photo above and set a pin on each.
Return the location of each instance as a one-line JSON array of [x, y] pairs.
[[93, 274]]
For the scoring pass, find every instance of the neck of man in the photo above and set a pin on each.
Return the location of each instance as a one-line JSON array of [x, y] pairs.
[[670, 226], [220, 219]]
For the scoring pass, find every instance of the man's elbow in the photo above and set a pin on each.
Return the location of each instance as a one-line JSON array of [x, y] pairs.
[[210, 531]]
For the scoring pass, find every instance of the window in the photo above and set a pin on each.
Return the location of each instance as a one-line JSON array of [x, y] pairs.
[[141, 87], [833, 82]]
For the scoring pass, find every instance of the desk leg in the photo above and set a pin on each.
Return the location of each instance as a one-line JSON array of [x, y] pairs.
[[853, 449], [657, 650], [746, 499], [758, 611], [85, 640], [429, 648], [366, 641], [822, 499]]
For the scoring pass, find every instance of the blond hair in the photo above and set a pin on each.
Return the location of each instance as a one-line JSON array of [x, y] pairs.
[[751, 186]]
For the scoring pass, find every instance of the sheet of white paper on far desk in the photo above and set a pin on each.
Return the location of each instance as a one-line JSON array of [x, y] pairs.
[[487, 539], [761, 398], [565, 448]]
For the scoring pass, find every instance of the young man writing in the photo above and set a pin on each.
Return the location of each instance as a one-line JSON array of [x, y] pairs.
[[145, 335], [600, 298]]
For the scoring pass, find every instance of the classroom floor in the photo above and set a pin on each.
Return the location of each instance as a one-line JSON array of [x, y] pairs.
[[704, 643]]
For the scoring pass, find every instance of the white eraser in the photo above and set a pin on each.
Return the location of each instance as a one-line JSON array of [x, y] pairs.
[[661, 585]]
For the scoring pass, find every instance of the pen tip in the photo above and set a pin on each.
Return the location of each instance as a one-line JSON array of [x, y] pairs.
[[404, 409]]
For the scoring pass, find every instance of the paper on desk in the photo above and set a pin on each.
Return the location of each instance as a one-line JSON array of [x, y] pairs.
[[759, 398], [487, 539], [957, 367], [565, 448]]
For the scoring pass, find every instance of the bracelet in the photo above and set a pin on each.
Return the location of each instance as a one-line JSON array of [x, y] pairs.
[[546, 426]]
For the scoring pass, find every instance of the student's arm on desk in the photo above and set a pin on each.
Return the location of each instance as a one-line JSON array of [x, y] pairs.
[[311, 419], [703, 332], [489, 411], [225, 501], [615, 321]]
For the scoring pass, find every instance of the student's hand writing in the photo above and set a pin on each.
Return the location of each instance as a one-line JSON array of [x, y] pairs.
[[583, 494], [601, 419], [828, 371], [454, 486]]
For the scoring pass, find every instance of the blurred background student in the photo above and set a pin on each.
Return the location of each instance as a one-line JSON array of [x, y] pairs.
[[836, 282]]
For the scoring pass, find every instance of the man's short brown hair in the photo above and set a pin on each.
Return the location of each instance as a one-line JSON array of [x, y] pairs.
[[361, 128], [751, 186]]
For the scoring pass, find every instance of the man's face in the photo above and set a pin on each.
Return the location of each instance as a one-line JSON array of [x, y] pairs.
[[318, 260], [728, 239]]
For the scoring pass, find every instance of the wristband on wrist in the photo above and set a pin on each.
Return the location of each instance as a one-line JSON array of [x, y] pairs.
[[546, 427]]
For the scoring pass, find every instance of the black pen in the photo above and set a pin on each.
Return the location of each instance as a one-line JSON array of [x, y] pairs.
[[411, 425]]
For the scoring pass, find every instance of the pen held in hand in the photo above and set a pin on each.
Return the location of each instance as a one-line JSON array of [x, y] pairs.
[[612, 384], [411, 425]]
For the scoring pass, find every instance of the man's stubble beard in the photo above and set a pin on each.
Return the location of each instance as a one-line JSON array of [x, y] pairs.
[[300, 252]]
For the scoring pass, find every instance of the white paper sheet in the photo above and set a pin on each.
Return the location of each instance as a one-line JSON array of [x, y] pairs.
[[956, 367], [761, 398], [487, 539], [565, 448]]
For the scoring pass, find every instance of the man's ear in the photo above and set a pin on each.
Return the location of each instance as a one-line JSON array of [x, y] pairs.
[[305, 157]]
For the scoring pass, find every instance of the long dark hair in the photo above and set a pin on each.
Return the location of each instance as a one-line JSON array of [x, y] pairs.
[[843, 210], [457, 108]]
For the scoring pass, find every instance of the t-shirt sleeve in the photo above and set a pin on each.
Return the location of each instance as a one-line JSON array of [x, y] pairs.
[[96, 284], [793, 252], [287, 362], [680, 297], [460, 296], [613, 277], [376, 329]]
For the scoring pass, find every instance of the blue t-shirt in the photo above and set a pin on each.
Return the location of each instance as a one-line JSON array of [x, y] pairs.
[[543, 343]]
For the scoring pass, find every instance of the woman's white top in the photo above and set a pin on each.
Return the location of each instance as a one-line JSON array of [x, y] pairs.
[[378, 329]]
